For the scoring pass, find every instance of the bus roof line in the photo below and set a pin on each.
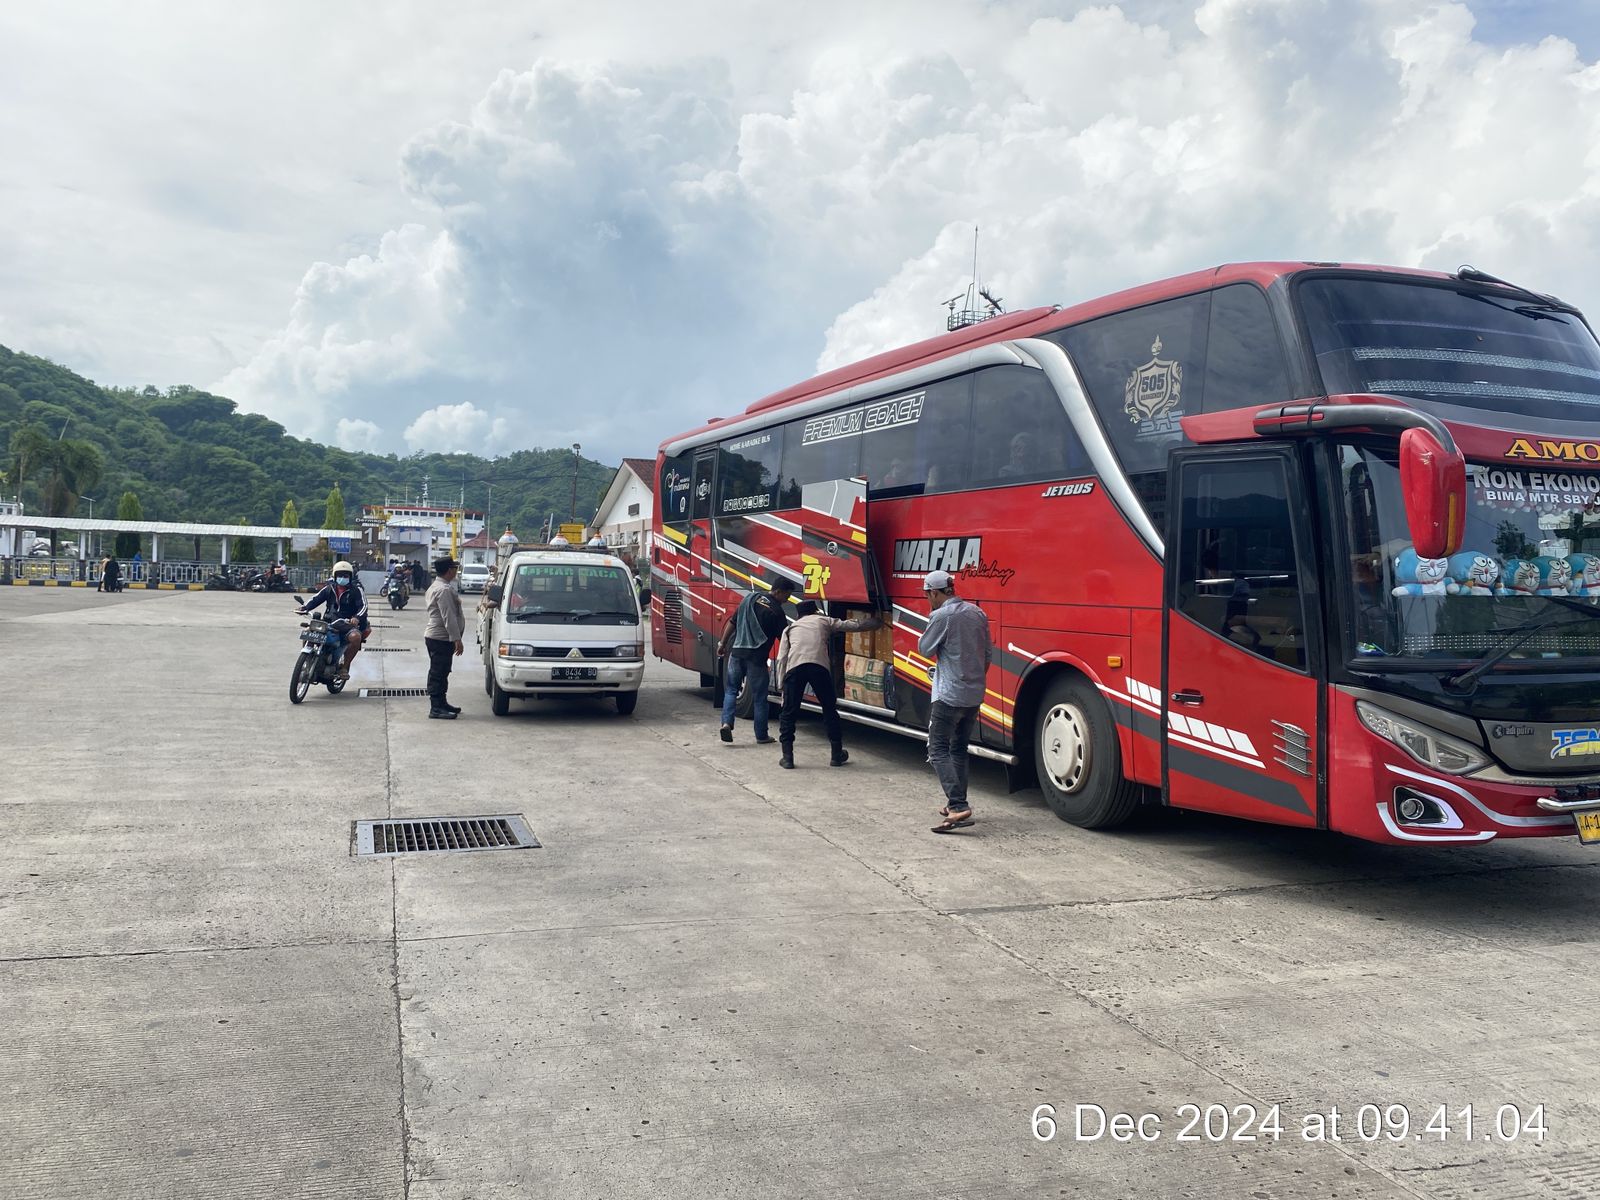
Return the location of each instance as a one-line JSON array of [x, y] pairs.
[[993, 354]]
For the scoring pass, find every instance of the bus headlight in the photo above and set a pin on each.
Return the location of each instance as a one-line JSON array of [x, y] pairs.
[[1428, 746], [515, 650], [631, 650]]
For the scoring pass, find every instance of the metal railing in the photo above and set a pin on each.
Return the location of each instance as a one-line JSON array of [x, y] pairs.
[[68, 569]]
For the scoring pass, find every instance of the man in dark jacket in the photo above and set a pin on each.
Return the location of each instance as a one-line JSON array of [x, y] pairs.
[[346, 600], [747, 642]]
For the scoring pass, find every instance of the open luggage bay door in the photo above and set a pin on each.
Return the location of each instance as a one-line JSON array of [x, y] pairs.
[[821, 544]]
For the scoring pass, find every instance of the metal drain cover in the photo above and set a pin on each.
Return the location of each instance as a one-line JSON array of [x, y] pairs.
[[390, 649], [440, 835], [390, 693]]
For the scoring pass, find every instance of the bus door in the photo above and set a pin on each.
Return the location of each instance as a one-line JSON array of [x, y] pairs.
[[1240, 694]]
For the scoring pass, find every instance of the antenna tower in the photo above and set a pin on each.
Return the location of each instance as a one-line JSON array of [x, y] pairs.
[[977, 303]]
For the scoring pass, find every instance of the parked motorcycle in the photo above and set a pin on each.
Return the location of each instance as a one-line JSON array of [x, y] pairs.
[[279, 583], [221, 581], [253, 581], [322, 645]]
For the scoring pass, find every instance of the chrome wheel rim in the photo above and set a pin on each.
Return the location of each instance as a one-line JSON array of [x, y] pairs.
[[1064, 742]]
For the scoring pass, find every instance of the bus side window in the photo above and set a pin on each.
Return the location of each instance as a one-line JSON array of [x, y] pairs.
[[1021, 431], [676, 475], [1244, 358], [928, 454], [812, 453], [1237, 574]]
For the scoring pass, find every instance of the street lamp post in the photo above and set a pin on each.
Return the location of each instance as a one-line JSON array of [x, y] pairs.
[[575, 450], [88, 534]]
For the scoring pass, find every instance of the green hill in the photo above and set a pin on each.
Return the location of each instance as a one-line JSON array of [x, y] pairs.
[[192, 456]]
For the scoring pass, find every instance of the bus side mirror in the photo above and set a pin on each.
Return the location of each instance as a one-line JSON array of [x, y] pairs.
[[1433, 482], [493, 592]]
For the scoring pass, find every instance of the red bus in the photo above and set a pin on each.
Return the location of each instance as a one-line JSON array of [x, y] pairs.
[[1306, 543]]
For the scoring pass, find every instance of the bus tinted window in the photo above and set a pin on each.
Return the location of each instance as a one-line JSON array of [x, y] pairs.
[[705, 463], [817, 449], [1021, 432], [1244, 358], [1456, 345], [747, 476], [676, 474], [1236, 567], [903, 456], [1143, 371]]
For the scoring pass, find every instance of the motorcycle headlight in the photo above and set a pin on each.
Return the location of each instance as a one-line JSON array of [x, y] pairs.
[[515, 650], [1428, 746], [631, 650]]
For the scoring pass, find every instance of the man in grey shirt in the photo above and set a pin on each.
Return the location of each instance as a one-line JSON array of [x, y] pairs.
[[442, 637], [957, 639]]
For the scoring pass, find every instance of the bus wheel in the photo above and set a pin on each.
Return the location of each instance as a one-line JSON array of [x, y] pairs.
[[1078, 759]]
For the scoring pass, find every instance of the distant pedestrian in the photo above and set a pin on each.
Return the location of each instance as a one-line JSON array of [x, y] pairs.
[[419, 577], [442, 636], [111, 576], [101, 586], [138, 566], [747, 644], [957, 639], [805, 659]]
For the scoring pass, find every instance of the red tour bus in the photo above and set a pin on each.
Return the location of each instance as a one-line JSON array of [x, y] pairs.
[[1305, 543]]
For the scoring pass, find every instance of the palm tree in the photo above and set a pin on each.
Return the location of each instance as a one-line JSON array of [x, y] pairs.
[[30, 447], [71, 469]]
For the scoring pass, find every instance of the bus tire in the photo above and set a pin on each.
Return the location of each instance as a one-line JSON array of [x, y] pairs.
[[1078, 757]]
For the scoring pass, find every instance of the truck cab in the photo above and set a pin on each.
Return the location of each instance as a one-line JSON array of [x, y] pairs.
[[562, 622]]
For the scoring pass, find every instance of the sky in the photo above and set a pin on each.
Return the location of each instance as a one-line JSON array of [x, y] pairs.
[[494, 225]]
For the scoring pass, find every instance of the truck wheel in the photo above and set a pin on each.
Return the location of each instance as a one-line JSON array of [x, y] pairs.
[[499, 699], [488, 682], [627, 702], [1078, 758]]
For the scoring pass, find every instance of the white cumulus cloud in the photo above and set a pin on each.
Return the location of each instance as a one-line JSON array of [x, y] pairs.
[[458, 427], [356, 434]]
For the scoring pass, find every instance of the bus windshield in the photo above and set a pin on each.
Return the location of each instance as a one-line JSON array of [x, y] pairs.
[[1452, 346], [569, 592], [1528, 570]]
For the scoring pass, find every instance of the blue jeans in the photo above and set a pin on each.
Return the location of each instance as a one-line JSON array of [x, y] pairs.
[[754, 672], [949, 728]]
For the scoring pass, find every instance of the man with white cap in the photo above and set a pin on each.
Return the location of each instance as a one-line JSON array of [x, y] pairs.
[[957, 639]]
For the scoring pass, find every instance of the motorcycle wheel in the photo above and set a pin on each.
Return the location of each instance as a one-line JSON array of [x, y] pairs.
[[336, 685], [300, 678]]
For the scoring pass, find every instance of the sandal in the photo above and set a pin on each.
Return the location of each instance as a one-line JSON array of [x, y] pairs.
[[960, 820]]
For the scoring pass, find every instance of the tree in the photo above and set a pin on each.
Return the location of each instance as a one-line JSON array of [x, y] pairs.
[[128, 509], [29, 448], [333, 518], [244, 548], [291, 515], [71, 468]]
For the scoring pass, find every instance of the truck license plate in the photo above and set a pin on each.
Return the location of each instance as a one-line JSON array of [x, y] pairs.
[[1588, 826], [566, 673]]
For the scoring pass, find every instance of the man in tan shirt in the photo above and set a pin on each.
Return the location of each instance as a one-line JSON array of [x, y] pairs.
[[805, 660], [442, 636]]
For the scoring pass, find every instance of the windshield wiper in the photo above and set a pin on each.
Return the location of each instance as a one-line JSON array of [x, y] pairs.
[[1537, 309], [1518, 636]]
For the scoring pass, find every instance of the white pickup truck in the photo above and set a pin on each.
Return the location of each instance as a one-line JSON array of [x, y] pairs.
[[562, 623]]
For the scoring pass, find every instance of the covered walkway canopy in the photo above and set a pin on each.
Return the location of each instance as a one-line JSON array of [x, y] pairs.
[[11, 522]]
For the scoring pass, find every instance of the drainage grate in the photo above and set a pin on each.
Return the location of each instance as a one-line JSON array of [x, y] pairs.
[[390, 649], [390, 693], [439, 835]]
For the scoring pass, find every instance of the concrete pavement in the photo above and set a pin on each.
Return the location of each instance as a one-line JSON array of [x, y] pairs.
[[716, 978]]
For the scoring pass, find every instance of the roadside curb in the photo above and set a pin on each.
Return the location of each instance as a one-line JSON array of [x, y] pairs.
[[82, 583]]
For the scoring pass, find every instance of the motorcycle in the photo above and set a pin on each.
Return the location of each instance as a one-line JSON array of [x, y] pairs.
[[322, 644], [221, 581], [254, 581], [396, 590], [279, 583]]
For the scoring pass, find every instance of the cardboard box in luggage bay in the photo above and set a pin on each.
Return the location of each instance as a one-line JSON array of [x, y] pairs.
[[868, 680], [871, 643]]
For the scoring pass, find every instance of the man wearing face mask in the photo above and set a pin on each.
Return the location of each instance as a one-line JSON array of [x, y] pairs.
[[345, 600]]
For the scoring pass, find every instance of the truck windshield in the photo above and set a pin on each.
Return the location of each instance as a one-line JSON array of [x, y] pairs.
[[569, 591], [1528, 570], [1452, 346]]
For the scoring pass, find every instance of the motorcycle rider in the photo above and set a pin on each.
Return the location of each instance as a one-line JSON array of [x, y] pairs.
[[345, 600]]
